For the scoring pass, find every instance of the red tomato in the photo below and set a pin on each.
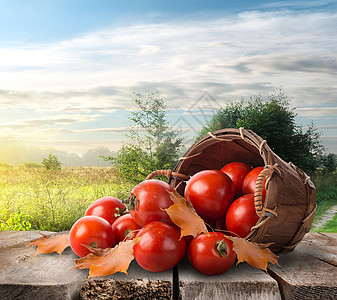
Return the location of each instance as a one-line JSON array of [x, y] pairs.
[[124, 227], [147, 201], [160, 247], [249, 183], [91, 231], [210, 192], [241, 216], [108, 208], [211, 255], [237, 171]]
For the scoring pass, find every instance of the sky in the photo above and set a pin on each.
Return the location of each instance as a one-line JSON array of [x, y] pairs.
[[69, 68]]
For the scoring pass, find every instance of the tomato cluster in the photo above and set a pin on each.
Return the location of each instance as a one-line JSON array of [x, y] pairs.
[[225, 198], [104, 225], [94, 229], [222, 198]]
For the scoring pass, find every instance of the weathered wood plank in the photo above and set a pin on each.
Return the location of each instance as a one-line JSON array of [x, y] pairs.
[[44, 276], [240, 282], [309, 272], [51, 276], [17, 238], [320, 245], [301, 276]]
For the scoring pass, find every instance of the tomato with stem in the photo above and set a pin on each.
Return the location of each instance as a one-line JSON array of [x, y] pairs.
[[148, 201], [92, 231], [211, 255], [125, 227]]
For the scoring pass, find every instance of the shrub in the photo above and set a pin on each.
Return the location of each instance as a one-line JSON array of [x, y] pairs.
[[51, 163], [14, 221]]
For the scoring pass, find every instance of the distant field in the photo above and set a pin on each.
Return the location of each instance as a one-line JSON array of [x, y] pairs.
[[326, 186], [33, 198], [37, 199]]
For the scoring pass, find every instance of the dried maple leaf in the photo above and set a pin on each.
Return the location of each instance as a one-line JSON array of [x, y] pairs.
[[184, 215], [257, 255], [103, 262], [49, 243]]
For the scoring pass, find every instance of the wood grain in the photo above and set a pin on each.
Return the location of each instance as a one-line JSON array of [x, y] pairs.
[[240, 282], [301, 276]]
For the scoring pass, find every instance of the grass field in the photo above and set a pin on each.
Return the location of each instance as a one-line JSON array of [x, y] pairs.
[[33, 198], [326, 186], [38, 199]]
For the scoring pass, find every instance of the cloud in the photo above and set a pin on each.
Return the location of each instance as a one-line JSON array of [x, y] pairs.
[[229, 57], [105, 130], [327, 127], [330, 143], [317, 111], [147, 49], [32, 123], [98, 98], [250, 48]]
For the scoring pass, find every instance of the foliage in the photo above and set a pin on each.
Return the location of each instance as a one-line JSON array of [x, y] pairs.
[[5, 165], [330, 226], [326, 197], [327, 163], [51, 162], [50, 243], [103, 262], [30, 164], [153, 144], [14, 221], [184, 215], [53, 200], [326, 185], [274, 121]]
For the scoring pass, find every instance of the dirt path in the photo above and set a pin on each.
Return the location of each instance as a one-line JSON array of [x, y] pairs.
[[326, 217]]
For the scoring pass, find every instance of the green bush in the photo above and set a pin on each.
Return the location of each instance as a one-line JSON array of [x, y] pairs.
[[51, 162], [14, 221], [274, 121]]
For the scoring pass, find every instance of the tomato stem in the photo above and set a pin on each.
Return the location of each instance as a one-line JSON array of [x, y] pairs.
[[120, 212], [128, 233], [133, 202], [221, 248], [94, 245]]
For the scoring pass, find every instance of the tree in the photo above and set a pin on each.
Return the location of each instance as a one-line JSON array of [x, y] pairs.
[[51, 162], [274, 121], [328, 163], [152, 145]]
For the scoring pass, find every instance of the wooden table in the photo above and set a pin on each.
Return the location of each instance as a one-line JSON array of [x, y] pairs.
[[310, 272]]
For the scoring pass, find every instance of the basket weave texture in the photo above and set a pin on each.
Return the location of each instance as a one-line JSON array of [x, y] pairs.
[[291, 196]]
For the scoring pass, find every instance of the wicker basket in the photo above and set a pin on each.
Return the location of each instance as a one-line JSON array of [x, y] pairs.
[[290, 203]]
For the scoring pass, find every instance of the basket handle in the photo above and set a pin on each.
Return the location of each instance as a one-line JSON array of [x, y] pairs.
[[265, 175], [168, 174]]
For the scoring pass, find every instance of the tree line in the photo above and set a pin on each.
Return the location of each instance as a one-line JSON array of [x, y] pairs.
[[152, 144]]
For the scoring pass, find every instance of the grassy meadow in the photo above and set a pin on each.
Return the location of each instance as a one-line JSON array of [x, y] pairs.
[[39, 199], [326, 197], [33, 198]]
